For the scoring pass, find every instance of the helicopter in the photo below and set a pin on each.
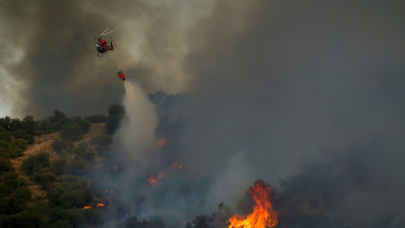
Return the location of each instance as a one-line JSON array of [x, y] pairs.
[[102, 45]]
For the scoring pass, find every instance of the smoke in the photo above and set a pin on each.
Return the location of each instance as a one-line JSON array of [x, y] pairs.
[[311, 92], [137, 134], [47, 64], [314, 84]]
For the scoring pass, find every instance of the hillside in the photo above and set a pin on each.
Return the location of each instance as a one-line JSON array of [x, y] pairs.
[[43, 143]]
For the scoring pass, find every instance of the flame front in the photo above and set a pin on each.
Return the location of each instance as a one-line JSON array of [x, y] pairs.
[[263, 215], [176, 166], [161, 142], [153, 180], [87, 207]]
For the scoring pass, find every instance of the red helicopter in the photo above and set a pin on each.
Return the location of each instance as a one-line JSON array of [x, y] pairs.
[[102, 45]]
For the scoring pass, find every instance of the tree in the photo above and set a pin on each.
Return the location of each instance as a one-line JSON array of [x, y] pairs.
[[62, 144], [20, 133], [14, 194], [59, 119], [71, 131], [97, 118], [78, 167], [61, 224], [20, 144], [30, 126], [35, 163], [115, 115], [13, 149], [81, 149], [83, 123], [46, 126], [5, 165]]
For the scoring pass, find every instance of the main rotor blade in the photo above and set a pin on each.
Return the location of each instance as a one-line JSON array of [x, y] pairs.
[[111, 31], [104, 31]]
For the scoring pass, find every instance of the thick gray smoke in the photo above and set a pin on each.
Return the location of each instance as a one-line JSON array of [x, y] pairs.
[[46, 63], [311, 82], [310, 92], [137, 133]]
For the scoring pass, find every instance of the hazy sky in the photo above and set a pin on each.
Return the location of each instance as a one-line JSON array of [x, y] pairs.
[[308, 91]]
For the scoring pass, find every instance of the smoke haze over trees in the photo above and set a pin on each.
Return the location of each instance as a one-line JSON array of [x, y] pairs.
[[308, 94]]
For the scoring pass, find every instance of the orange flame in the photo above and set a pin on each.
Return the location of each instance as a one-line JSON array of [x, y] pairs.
[[161, 142], [153, 180], [175, 166], [263, 215], [98, 205]]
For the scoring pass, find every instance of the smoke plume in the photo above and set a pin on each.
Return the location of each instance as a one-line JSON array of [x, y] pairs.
[[307, 92]]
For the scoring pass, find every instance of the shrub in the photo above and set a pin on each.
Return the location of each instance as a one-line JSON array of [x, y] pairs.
[[35, 163], [46, 180], [20, 144], [78, 167], [59, 119], [65, 153], [4, 146], [71, 131], [77, 217], [61, 224], [89, 155], [59, 165], [115, 114], [8, 151], [14, 194], [81, 149], [5, 165], [62, 144], [30, 126], [71, 194], [83, 123], [21, 134], [44, 177], [104, 140], [6, 136], [46, 126], [97, 118]]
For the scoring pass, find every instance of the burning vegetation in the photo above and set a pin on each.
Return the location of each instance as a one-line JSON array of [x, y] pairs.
[[153, 180], [161, 142], [98, 205], [263, 215]]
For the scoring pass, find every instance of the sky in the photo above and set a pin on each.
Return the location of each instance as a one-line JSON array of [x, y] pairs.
[[308, 92]]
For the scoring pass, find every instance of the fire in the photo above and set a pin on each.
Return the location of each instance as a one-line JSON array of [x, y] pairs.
[[161, 142], [153, 180], [90, 207], [263, 215], [176, 166]]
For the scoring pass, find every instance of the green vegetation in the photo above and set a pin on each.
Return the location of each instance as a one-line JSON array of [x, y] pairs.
[[13, 148], [62, 144], [116, 113], [71, 131], [70, 181], [35, 163], [5, 165], [98, 118]]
